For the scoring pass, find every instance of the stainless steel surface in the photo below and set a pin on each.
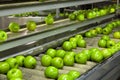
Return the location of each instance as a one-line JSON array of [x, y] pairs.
[[8, 9]]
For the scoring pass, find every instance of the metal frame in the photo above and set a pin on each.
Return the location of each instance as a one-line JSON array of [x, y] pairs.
[[9, 9]]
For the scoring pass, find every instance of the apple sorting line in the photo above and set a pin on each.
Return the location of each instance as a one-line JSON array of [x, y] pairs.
[[38, 72]]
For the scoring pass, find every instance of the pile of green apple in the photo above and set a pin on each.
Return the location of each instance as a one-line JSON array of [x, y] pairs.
[[36, 13], [106, 42], [56, 59], [10, 66], [81, 15], [107, 29], [75, 41]]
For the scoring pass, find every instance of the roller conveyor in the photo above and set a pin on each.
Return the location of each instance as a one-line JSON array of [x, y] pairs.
[[90, 71]]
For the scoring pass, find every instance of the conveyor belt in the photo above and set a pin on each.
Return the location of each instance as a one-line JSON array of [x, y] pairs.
[[38, 72], [17, 42]]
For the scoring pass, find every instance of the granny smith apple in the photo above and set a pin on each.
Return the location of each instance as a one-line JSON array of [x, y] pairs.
[[74, 74], [31, 25], [72, 16], [87, 52], [102, 12], [106, 53], [4, 67], [81, 58], [97, 56], [68, 60], [67, 46], [102, 43], [112, 10], [106, 30], [57, 62], [98, 29], [12, 62], [93, 32], [20, 60], [90, 15], [14, 73], [73, 39], [51, 72], [51, 52], [60, 53], [81, 17], [3, 36], [49, 19], [78, 36], [30, 62], [88, 34], [116, 35], [65, 77], [14, 27], [46, 60], [81, 43], [110, 43]]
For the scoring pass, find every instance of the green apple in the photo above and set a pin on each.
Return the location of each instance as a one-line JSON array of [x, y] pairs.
[[112, 10], [71, 53], [20, 60], [4, 67], [102, 43], [14, 27], [46, 60], [74, 74], [110, 25], [93, 32], [116, 35], [67, 46], [60, 53], [98, 29], [16, 79], [90, 15], [118, 22], [57, 62], [81, 17], [81, 43], [97, 56], [30, 62], [31, 25], [12, 62], [73, 39], [110, 43], [49, 19], [106, 30], [105, 37], [87, 52], [114, 24], [106, 53], [78, 36], [65, 77], [102, 12], [88, 34], [68, 60], [81, 58], [72, 16], [74, 44], [51, 72], [51, 52], [14, 73], [3, 36]]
